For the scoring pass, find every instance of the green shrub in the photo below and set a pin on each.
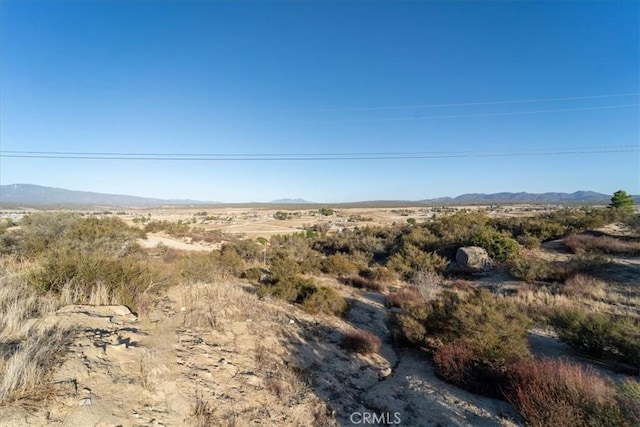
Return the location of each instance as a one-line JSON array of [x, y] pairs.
[[379, 274], [531, 269], [325, 300], [406, 297], [339, 265], [362, 283], [476, 333], [599, 335], [499, 246], [254, 274], [313, 298]]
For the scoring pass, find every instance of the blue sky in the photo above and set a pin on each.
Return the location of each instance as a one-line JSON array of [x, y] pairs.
[[322, 77]]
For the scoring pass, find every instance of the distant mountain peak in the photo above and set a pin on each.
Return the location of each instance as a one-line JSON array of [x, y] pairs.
[[290, 202]]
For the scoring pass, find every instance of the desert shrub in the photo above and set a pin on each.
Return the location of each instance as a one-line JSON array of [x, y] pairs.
[[300, 290], [499, 246], [362, 283], [453, 362], [361, 341], [124, 278], [411, 258], [339, 265], [168, 227], [254, 274], [406, 297], [529, 241], [378, 274], [600, 335], [199, 267], [588, 243], [530, 269], [628, 398], [230, 263], [493, 328], [554, 392], [291, 289], [248, 250], [283, 268], [325, 300], [585, 286]]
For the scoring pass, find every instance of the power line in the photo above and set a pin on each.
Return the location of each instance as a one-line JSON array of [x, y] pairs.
[[406, 156], [326, 154], [459, 116], [463, 104]]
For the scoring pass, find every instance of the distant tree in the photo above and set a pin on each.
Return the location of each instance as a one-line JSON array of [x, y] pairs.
[[621, 200]]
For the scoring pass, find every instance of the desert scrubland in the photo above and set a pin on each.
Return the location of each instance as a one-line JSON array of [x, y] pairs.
[[320, 316]]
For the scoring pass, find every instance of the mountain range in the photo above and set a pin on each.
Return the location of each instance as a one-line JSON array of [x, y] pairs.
[[25, 195]]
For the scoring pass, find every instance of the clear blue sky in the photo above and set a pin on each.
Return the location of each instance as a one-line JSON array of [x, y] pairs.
[[334, 77]]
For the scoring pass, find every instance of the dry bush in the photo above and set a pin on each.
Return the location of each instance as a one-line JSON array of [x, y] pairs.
[[363, 283], [428, 283], [406, 297], [453, 362], [585, 243], [208, 305], [584, 286], [539, 304], [26, 372], [553, 392], [361, 341], [20, 305]]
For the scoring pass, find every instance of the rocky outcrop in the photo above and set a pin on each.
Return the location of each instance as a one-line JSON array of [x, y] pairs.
[[473, 258]]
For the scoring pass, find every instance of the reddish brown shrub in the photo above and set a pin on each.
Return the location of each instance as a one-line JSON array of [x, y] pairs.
[[404, 298], [453, 362], [580, 243], [360, 341], [554, 392]]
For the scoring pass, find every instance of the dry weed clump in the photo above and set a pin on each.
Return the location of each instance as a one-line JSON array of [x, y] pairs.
[[554, 392], [26, 371], [584, 286], [214, 305], [586, 243], [406, 297], [361, 341], [202, 412]]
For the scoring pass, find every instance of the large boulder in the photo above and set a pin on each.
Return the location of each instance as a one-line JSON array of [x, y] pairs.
[[474, 258]]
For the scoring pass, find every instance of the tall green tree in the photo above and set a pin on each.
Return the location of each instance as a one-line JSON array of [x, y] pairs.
[[621, 200]]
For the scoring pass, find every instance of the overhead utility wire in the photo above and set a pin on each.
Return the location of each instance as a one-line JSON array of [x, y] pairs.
[[316, 158], [459, 116], [463, 104], [330, 154]]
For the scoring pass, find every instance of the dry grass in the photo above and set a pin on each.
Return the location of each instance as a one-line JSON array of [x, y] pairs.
[[202, 412], [26, 372], [213, 305], [581, 243], [584, 286]]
